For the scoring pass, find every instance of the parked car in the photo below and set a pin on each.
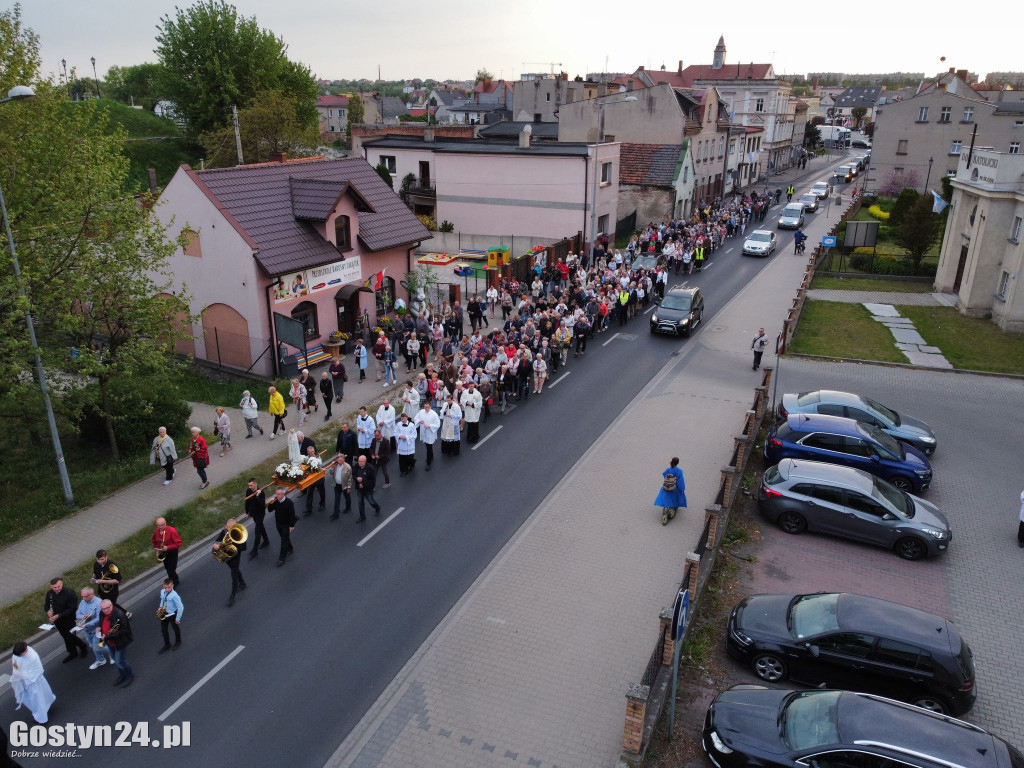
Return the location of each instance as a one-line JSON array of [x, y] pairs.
[[792, 216], [821, 189], [760, 242], [646, 262], [861, 143], [845, 173], [837, 440], [802, 495], [866, 411], [856, 643], [860, 162], [680, 310], [809, 202], [750, 725]]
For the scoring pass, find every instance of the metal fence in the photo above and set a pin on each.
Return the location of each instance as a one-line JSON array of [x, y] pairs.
[[625, 227], [236, 351]]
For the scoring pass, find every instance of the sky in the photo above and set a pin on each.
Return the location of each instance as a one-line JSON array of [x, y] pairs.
[[454, 38]]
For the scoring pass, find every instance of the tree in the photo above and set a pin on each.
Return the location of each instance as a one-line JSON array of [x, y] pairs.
[[858, 114], [919, 231], [84, 246], [812, 135], [355, 111], [213, 58], [137, 84], [869, 130], [408, 181], [384, 173], [482, 75], [906, 200], [82, 88], [896, 181], [267, 125]]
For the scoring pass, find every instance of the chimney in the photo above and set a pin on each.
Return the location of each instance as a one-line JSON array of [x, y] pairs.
[[277, 157], [428, 134], [641, 67], [629, 84], [680, 70], [152, 180], [962, 74], [524, 137], [952, 71]]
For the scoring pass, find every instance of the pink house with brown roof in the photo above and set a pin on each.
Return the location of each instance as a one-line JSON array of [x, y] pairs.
[[297, 238]]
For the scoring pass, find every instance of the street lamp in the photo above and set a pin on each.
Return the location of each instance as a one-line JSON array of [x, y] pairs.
[[67, 85], [929, 177], [18, 93], [597, 143], [95, 79]]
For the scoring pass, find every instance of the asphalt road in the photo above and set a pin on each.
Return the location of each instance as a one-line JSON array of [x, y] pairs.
[[317, 641]]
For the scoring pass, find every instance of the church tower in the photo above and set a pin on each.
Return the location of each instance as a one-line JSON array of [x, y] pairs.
[[719, 60]]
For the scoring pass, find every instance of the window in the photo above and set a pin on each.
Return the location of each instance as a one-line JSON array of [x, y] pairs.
[[896, 653], [954, 148], [190, 243], [342, 235], [305, 313], [827, 493], [968, 115], [547, 97], [824, 441], [901, 147], [606, 173], [721, 145], [1015, 230], [830, 409], [1014, 147], [848, 644], [851, 759], [922, 115], [862, 503], [1004, 285], [389, 163], [759, 105], [602, 223], [330, 113], [855, 447], [945, 114]]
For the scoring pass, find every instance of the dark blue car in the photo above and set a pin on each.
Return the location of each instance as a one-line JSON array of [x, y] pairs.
[[848, 442]]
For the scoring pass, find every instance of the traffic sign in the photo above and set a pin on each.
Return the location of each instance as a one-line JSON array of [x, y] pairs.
[[829, 241], [680, 613]]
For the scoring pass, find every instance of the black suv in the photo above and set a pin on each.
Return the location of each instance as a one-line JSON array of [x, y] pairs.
[[680, 310], [855, 642], [750, 725]]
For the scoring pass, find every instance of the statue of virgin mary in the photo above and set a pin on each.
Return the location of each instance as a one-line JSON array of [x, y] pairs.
[[293, 448]]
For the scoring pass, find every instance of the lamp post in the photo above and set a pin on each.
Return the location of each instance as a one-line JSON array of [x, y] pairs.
[[597, 144], [67, 85], [928, 178], [18, 93], [95, 79]]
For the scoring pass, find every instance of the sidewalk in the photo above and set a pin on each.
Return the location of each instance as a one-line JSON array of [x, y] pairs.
[[28, 564], [532, 665], [877, 297]]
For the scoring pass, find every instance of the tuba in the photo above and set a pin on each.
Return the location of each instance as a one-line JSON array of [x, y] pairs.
[[235, 535], [108, 588]]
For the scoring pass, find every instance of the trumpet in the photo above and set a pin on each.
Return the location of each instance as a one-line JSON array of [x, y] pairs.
[[113, 632], [107, 588], [236, 535], [160, 553]]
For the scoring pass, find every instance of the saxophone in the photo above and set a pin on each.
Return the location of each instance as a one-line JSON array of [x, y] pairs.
[[113, 632], [161, 613]]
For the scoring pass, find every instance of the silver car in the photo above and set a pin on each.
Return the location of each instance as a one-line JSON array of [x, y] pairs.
[[802, 495], [820, 189], [792, 216], [809, 202], [866, 411], [760, 242]]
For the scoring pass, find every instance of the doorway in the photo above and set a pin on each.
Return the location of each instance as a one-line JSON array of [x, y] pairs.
[[961, 265]]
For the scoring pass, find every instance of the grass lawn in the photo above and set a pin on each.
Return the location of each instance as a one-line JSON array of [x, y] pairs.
[[867, 284], [203, 385], [163, 156], [968, 342], [834, 329]]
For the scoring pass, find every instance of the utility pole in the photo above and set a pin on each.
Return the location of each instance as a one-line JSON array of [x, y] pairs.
[[238, 137]]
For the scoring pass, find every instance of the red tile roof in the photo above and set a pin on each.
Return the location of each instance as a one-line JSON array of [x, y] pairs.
[[332, 101], [257, 201], [694, 72], [652, 165]]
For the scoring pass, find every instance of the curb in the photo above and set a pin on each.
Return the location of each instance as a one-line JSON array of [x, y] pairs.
[[965, 371]]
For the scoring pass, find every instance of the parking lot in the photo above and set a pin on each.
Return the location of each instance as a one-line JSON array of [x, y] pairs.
[[979, 583]]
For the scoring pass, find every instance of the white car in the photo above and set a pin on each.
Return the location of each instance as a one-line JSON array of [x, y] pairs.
[[820, 189], [792, 216], [760, 242]]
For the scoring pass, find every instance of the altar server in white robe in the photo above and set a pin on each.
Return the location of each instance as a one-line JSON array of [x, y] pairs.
[[386, 416], [405, 436], [30, 687], [451, 427], [428, 422]]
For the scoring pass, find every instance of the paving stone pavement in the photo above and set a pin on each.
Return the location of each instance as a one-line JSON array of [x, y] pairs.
[[31, 562], [531, 666], [908, 340], [875, 297], [979, 473]]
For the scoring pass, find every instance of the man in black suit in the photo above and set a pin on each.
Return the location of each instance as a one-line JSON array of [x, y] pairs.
[[256, 507], [305, 443], [317, 487], [347, 444], [364, 477], [284, 517], [60, 606]]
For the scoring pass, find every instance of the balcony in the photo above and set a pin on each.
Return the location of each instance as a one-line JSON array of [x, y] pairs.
[[421, 190]]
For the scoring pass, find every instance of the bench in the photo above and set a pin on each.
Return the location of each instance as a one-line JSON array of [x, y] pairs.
[[313, 356]]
